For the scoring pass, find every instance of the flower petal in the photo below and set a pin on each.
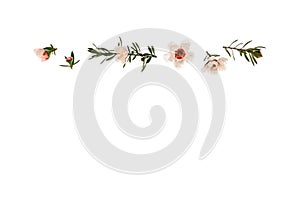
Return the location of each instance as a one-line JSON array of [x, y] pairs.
[[178, 63], [173, 46], [186, 45], [39, 52]]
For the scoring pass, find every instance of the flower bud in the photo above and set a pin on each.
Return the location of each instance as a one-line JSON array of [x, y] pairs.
[[257, 53], [69, 59]]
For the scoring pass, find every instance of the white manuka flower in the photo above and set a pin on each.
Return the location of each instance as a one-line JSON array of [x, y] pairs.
[[178, 53], [214, 65], [122, 53]]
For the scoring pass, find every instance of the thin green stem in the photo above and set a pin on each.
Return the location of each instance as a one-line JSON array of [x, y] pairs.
[[142, 54], [237, 49]]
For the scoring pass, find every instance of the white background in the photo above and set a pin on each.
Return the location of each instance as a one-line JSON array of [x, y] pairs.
[[41, 156]]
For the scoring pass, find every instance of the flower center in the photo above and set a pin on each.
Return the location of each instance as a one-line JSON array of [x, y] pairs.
[[180, 54]]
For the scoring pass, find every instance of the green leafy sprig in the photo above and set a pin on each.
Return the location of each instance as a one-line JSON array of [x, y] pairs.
[[99, 51], [250, 54], [133, 51], [70, 60]]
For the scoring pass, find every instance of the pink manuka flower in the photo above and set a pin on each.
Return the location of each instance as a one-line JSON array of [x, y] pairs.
[[45, 53], [69, 59], [214, 65], [42, 54]]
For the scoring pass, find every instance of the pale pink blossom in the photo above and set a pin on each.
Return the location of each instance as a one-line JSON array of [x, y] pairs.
[[178, 53], [42, 54], [214, 65], [122, 54]]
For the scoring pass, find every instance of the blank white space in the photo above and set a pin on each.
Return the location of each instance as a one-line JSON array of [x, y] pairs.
[[140, 105]]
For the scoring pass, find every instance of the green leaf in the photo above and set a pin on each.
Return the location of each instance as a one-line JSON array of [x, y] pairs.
[[92, 57], [144, 66], [102, 61], [153, 50], [233, 42], [238, 44], [134, 50], [150, 50], [138, 46], [260, 47], [73, 58], [108, 59], [109, 54], [76, 62], [148, 60], [64, 65], [254, 60], [91, 50], [95, 46], [121, 42], [232, 54], [247, 43], [104, 50], [227, 52], [251, 58], [135, 47], [124, 65], [246, 57]]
